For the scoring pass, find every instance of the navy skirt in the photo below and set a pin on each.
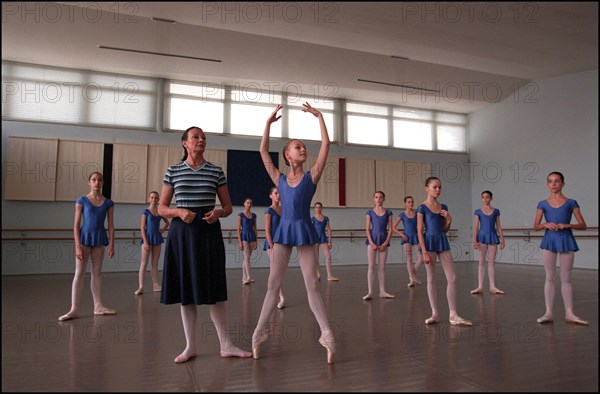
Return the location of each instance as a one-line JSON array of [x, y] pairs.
[[194, 267]]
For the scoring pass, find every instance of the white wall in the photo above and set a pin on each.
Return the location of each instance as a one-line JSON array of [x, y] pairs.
[[550, 125], [58, 256]]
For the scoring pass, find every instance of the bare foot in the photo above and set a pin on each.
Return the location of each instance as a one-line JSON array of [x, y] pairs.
[[183, 357], [68, 316], [104, 311], [577, 320], [235, 352], [545, 319]]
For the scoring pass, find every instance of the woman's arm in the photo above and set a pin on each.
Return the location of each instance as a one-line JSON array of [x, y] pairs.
[[421, 236], [268, 229], [328, 229], [500, 232], [475, 232], [581, 225], [77, 230], [111, 233], [143, 231], [264, 147], [317, 169]]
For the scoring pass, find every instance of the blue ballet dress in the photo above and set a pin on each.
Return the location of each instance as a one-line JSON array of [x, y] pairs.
[[435, 237], [561, 240], [275, 219], [92, 232], [487, 234], [247, 232], [295, 227], [153, 234], [379, 226], [410, 229], [321, 226]]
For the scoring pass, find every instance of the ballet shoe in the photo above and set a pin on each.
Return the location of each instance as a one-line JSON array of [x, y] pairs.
[[281, 305], [157, 289], [138, 291], [332, 279], [431, 320], [496, 291], [251, 280], [477, 291], [184, 357], [330, 353], [256, 346], [386, 295], [545, 319], [577, 320], [411, 284], [245, 282], [368, 297], [459, 321]]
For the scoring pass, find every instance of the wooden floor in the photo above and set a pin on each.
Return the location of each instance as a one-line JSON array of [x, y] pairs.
[[383, 345]]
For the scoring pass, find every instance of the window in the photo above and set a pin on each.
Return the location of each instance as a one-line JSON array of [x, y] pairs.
[[194, 105], [405, 128], [60, 95], [305, 126]]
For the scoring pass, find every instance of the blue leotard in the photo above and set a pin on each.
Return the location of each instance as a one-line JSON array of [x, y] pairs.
[[153, 234], [410, 229], [487, 234], [92, 232], [379, 226], [275, 219], [247, 225], [435, 237], [561, 240], [321, 226], [295, 227]]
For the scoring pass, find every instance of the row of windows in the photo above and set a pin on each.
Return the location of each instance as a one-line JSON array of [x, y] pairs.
[[58, 95]]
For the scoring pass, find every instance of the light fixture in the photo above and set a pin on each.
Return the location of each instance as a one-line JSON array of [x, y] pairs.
[[398, 85], [155, 19], [159, 54]]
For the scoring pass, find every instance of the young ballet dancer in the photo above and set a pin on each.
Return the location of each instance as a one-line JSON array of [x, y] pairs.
[[194, 268], [272, 219], [410, 240], [247, 238], [559, 242], [433, 222], [323, 228], [295, 229], [90, 241], [487, 234], [152, 241], [379, 232]]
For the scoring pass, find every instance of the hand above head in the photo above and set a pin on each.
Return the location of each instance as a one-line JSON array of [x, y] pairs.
[[308, 108], [274, 117]]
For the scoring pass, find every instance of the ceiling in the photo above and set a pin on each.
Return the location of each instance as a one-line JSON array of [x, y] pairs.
[[456, 57]]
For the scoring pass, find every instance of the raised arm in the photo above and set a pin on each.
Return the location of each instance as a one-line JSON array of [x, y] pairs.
[[264, 147], [318, 168]]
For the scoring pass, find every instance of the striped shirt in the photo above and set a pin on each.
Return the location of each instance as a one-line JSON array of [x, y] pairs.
[[195, 189]]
